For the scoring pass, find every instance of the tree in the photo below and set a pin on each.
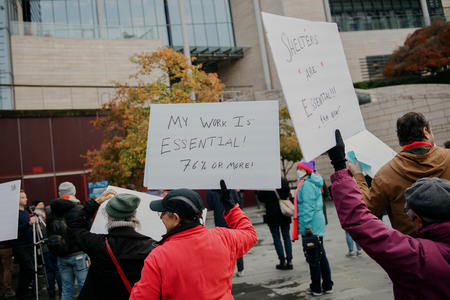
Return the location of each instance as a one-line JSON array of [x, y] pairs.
[[427, 50], [290, 152], [162, 77]]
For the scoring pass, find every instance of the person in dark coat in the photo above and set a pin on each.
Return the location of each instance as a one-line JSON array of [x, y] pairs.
[[129, 247], [278, 222]]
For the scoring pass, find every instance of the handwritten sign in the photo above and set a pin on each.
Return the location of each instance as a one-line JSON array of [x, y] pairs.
[[9, 214], [369, 150], [315, 80], [196, 145], [151, 224]]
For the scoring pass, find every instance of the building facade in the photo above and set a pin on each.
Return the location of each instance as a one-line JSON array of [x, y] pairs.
[[67, 54]]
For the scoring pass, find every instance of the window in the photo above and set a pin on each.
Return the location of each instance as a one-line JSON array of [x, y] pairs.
[[381, 14]]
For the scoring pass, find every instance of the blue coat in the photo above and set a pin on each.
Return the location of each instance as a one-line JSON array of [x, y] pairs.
[[310, 206]]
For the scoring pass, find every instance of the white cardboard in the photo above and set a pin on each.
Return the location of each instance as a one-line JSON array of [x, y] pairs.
[[9, 214], [151, 224], [241, 146], [370, 150], [315, 80]]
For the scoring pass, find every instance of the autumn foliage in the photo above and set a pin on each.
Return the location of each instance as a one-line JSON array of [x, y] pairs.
[[162, 77], [290, 152], [427, 50]]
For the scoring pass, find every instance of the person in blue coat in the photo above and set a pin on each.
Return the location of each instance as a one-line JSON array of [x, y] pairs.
[[311, 226]]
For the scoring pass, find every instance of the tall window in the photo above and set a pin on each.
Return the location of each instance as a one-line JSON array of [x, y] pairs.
[[353, 15], [208, 23]]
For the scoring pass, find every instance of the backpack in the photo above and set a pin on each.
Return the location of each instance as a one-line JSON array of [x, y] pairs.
[[56, 242]]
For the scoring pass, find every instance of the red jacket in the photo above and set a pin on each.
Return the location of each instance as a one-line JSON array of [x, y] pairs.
[[418, 265], [197, 263]]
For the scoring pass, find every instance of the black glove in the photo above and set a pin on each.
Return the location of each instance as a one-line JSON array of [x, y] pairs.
[[225, 196], [337, 153]]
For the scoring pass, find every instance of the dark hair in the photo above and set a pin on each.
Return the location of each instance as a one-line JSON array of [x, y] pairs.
[[447, 145], [410, 128]]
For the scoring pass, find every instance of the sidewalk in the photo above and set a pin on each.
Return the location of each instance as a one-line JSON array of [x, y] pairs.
[[354, 278]]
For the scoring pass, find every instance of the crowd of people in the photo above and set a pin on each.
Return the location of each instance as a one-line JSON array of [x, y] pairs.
[[193, 262]]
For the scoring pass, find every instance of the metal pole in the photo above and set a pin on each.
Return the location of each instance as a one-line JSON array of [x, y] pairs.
[[262, 45], [426, 14], [326, 6], [35, 263], [186, 49]]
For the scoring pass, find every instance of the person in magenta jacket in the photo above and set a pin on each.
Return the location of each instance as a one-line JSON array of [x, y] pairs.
[[418, 265], [192, 262]]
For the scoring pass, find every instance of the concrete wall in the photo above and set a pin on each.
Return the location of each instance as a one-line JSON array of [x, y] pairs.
[[246, 75], [390, 103], [72, 73], [359, 44]]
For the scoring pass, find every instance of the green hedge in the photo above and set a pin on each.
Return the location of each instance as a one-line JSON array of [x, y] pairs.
[[441, 77]]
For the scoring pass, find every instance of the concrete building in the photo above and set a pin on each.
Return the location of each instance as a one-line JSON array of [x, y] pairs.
[[66, 55]]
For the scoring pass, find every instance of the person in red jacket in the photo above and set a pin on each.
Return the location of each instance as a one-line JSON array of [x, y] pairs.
[[192, 262], [418, 265]]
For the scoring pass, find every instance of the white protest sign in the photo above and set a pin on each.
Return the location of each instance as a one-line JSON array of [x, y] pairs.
[[9, 214], [315, 80], [196, 145], [151, 224], [370, 150]]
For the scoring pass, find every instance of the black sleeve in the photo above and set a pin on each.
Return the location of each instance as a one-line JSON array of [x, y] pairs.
[[80, 227]]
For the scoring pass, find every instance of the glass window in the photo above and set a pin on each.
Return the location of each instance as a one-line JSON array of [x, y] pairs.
[[197, 12], [124, 12], [211, 35], [173, 12], [111, 13], [59, 10], [149, 12], [87, 12], [47, 12], [208, 11], [221, 14], [160, 12], [177, 38], [137, 12], [200, 35], [73, 12], [224, 37]]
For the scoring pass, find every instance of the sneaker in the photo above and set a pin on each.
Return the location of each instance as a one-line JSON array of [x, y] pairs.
[[350, 254], [309, 291], [358, 253], [330, 291], [239, 273], [281, 266]]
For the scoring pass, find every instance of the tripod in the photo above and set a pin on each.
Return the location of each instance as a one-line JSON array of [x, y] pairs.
[[38, 241]]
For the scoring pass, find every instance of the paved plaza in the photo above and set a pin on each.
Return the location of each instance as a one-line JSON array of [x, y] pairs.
[[354, 278]]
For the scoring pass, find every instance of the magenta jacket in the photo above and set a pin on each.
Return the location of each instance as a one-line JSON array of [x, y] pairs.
[[418, 265]]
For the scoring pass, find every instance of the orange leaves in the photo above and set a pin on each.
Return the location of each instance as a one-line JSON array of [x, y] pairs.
[[163, 76], [425, 50]]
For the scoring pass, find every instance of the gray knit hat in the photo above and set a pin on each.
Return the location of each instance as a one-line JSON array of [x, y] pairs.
[[67, 188], [122, 206], [430, 198]]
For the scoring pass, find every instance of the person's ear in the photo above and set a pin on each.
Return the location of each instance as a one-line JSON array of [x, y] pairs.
[[418, 222], [177, 219], [426, 133]]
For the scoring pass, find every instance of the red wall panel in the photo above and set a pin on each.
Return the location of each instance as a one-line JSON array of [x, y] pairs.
[[67, 144], [9, 150], [39, 189], [36, 145]]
